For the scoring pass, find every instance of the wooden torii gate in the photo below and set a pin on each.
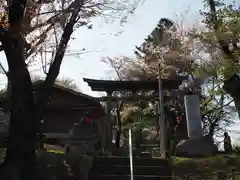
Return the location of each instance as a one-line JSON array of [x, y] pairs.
[[110, 86]]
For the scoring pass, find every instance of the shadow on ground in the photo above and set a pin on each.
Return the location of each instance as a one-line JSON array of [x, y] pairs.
[[58, 166]]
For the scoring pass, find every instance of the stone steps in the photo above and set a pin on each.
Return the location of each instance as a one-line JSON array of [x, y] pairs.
[[117, 168], [125, 161], [137, 170], [128, 177]]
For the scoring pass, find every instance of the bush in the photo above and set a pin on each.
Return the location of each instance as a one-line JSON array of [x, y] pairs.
[[236, 149], [2, 153]]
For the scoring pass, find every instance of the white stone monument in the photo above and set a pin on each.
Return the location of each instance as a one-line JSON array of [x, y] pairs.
[[193, 116]]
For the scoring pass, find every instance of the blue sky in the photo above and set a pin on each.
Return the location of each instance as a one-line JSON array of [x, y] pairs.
[[101, 42]]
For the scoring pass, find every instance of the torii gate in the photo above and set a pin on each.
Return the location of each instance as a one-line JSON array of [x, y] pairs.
[[110, 86]]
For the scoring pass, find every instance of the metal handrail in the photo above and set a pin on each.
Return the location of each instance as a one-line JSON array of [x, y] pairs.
[[130, 152]]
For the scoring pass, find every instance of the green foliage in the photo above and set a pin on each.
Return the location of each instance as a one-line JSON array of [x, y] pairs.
[[205, 168], [2, 154], [156, 38], [236, 149], [225, 29]]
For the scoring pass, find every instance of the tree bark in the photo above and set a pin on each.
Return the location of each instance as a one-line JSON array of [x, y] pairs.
[[20, 156], [22, 131], [211, 130]]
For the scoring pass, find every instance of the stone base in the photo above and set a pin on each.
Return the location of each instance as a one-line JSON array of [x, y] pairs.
[[201, 147]]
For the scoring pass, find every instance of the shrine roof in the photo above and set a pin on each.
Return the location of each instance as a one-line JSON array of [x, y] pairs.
[[111, 85], [67, 98]]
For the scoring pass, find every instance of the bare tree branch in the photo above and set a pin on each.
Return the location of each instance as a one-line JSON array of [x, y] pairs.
[[55, 66]]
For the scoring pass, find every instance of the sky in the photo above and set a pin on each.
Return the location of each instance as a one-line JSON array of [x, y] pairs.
[[101, 42], [104, 44]]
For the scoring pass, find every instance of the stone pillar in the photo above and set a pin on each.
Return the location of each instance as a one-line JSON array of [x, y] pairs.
[[102, 134], [193, 116], [109, 123]]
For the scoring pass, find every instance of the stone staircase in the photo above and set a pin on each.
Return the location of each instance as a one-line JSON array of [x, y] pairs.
[[117, 168]]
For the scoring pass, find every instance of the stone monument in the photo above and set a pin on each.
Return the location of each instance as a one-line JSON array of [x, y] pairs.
[[82, 138], [196, 145], [193, 116]]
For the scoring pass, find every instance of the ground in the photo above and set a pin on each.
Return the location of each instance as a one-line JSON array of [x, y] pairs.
[[53, 163], [206, 166]]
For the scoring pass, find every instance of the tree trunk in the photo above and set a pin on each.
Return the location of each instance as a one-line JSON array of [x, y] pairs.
[[232, 87], [211, 131], [237, 104], [20, 157]]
